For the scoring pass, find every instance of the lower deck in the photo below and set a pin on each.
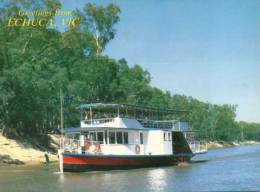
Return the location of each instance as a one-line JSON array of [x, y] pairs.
[[130, 142], [120, 142]]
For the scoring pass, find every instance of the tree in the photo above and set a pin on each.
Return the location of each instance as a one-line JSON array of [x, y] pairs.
[[36, 62], [98, 23], [29, 78]]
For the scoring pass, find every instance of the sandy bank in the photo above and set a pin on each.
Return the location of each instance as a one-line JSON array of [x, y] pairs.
[[221, 144], [22, 152]]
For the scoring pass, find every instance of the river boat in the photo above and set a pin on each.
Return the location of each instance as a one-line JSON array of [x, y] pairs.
[[121, 136]]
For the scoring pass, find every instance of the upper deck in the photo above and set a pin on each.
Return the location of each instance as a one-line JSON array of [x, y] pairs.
[[114, 115]]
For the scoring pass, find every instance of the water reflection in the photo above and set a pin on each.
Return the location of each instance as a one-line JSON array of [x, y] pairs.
[[157, 179], [61, 178]]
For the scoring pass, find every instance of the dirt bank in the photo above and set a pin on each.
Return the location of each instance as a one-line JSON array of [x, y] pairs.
[[221, 144], [24, 152]]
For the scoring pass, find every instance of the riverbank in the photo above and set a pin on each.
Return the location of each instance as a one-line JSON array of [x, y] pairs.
[[222, 144], [24, 151]]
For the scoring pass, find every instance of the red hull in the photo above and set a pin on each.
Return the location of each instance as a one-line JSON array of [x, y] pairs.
[[76, 162]]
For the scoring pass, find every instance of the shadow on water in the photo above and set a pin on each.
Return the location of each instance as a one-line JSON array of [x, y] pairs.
[[199, 161]]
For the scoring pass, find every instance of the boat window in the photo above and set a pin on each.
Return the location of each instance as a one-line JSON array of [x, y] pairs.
[[93, 136], [76, 136], [119, 137], [106, 137], [164, 136], [125, 137], [100, 137], [85, 134], [141, 138], [112, 138], [169, 136]]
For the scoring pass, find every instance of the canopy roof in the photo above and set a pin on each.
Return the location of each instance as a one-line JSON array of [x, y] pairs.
[[130, 106]]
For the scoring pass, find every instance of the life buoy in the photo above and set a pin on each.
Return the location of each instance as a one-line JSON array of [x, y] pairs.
[[137, 149], [97, 147], [87, 146]]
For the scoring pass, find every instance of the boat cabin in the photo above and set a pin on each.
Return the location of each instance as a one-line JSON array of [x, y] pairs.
[[124, 129]]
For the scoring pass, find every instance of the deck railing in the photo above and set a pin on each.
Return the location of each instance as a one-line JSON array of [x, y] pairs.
[[198, 146], [76, 146], [92, 147], [169, 124], [98, 121]]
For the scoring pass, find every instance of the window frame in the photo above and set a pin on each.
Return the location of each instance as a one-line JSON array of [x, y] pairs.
[[165, 135], [109, 132], [119, 133], [94, 133], [141, 138], [102, 142], [125, 133], [169, 136]]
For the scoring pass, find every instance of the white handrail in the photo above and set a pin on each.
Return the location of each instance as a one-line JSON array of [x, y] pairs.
[[98, 121], [198, 146]]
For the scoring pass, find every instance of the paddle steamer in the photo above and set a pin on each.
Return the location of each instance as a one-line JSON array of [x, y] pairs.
[[116, 135]]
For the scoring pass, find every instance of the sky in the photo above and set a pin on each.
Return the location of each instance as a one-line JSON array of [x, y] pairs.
[[209, 50]]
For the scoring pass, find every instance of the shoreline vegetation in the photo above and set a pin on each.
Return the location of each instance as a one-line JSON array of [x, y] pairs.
[[25, 152]]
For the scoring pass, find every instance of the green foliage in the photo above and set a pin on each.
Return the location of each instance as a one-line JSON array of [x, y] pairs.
[[37, 62], [249, 131], [97, 24]]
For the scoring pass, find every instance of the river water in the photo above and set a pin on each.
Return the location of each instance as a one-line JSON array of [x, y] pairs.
[[228, 169]]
